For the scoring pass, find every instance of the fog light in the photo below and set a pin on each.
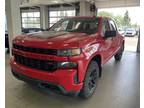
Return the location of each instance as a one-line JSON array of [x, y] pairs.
[[67, 65]]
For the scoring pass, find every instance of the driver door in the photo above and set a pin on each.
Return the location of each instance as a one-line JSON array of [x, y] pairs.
[[115, 39], [107, 42]]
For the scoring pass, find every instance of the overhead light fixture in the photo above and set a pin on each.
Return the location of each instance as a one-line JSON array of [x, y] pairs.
[[55, 1]]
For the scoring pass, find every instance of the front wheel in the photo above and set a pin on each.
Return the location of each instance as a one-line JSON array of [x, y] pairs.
[[91, 78]]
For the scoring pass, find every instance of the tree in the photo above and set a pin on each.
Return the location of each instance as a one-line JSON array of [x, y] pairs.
[[122, 21], [126, 19], [118, 18], [105, 14]]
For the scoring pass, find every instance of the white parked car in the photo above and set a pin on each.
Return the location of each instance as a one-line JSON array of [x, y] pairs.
[[130, 32]]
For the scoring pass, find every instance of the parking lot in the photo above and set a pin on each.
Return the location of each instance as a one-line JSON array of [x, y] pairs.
[[131, 43]]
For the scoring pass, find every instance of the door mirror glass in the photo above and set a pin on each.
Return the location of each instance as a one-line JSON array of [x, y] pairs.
[[110, 34]]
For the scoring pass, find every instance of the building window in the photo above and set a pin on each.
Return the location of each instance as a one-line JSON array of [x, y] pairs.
[[57, 15], [30, 19]]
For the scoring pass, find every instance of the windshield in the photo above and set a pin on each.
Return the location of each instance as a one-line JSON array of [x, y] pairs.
[[88, 26]]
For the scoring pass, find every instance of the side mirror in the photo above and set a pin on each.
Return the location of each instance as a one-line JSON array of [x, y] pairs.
[[110, 34]]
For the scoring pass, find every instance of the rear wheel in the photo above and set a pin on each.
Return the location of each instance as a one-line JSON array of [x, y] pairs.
[[119, 54], [91, 78]]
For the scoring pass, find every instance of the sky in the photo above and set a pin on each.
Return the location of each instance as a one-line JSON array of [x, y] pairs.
[[134, 13]]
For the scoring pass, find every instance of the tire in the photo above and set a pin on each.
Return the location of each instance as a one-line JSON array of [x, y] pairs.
[[118, 55], [90, 81]]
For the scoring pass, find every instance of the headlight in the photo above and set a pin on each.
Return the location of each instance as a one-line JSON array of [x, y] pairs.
[[67, 65], [69, 52]]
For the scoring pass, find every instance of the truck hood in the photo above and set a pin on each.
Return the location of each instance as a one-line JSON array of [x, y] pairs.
[[51, 39]]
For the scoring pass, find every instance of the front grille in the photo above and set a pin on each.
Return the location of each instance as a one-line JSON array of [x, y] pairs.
[[36, 50], [35, 63]]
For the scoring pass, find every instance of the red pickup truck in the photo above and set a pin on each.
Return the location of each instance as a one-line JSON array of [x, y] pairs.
[[68, 57]]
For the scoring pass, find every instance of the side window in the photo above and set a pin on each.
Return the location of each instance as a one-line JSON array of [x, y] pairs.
[[112, 25], [105, 27], [90, 27]]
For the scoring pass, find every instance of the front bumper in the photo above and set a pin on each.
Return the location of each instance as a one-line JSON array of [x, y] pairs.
[[63, 79], [129, 34]]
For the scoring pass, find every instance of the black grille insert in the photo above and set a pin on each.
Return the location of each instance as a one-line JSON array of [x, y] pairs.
[[44, 65], [35, 50]]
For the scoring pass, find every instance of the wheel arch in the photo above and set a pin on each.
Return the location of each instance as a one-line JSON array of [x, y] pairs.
[[98, 59]]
